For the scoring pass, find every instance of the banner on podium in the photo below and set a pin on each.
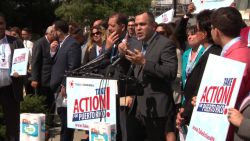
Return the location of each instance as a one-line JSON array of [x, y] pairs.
[[90, 101], [218, 92]]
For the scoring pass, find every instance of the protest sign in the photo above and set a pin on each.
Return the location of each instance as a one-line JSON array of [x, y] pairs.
[[210, 4], [218, 92], [20, 61], [90, 101], [165, 17]]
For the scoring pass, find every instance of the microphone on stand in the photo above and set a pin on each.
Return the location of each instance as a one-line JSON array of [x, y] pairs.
[[93, 63], [119, 58]]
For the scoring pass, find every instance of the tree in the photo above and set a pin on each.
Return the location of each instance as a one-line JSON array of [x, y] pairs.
[[86, 11], [36, 14]]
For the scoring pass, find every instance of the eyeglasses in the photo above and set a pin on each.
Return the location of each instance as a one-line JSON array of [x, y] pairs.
[[96, 33]]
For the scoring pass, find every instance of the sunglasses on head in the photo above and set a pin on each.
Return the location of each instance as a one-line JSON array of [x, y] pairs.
[[96, 33]]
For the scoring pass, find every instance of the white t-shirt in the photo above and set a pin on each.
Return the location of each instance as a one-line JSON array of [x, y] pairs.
[[5, 62]]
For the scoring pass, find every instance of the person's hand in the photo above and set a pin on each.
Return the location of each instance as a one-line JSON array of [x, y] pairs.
[[193, 102], [15, 74], [128, 101], [63, 91], [235, 117], [191, 8], [123, 47], [53, 46], [135, 57], [111, 39], [179, 119], [34, 84]]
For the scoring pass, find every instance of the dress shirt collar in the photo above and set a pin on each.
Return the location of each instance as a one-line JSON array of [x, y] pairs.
[[228, 45]]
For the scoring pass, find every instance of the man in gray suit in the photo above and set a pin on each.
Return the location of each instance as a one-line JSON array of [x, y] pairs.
[[68, 57], [156, 68], [41, 70]]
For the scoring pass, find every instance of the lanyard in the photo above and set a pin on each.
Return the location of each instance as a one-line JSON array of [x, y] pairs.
[[191, 64]]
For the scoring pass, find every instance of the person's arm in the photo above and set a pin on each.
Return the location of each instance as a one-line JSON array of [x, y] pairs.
[[167, 67], [244, 128], [74, 57], [181, 27], [36, 64], [74, 61], [238, 120]]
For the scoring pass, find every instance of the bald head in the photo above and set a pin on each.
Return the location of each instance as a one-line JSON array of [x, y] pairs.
[[49, 34], [49, 30]]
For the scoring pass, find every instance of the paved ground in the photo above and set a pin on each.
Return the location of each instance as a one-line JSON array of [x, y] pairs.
[[55, 135]]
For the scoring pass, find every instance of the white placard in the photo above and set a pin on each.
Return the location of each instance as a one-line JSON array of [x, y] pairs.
[[165, 17], [20, 61], [210, 4], [32, 127], [90, 101], [218, 92]]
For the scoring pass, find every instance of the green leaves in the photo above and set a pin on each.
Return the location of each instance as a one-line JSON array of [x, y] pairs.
[[80, 10], [33, 104]]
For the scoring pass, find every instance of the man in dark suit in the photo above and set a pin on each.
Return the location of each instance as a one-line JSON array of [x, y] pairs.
[[68, 57], [41, 71], [117, 25], [156, 68], [11, 87]]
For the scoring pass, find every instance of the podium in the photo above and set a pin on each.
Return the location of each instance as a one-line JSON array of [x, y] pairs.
[[94, 99], [90, 100]]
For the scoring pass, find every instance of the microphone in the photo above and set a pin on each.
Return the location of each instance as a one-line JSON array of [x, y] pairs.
[[93, 62], [120, 57], [98, 59]]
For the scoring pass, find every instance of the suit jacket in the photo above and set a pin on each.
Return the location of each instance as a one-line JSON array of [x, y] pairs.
[[156, 76], [242, 133], [240, 52], [194, 80], [17, 83], [68, 57], [41, 62], [90, 54]]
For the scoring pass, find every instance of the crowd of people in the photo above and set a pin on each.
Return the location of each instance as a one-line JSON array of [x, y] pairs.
[[167, 61]]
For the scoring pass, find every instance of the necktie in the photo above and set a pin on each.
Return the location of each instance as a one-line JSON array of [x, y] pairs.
[[144, 48], [113, 53]]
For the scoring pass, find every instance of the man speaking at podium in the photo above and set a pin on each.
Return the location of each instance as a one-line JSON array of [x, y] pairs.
[[156, 68]]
